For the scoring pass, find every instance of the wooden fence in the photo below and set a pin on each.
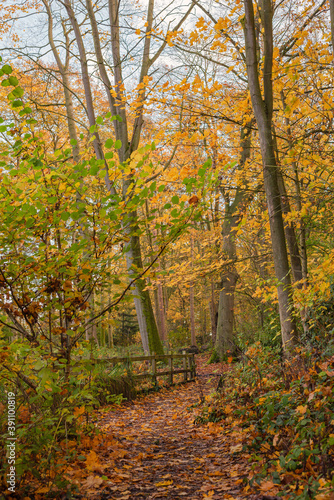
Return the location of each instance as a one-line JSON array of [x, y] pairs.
[[188, 365]]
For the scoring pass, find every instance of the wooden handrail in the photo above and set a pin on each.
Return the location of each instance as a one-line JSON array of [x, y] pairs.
[[189, 365]]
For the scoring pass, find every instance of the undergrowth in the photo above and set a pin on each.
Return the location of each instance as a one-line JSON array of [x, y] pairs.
[[284, 412]]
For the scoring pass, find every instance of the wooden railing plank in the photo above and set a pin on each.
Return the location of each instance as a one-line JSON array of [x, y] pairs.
[[189, 365]]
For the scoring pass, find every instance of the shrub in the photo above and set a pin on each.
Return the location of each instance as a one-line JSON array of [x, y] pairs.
[[286, 410]]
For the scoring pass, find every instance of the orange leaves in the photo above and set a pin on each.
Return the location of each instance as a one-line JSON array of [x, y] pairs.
[[118, 453], [170, 37], [79, 411], [173, 174], [92, 461], [210, 494], [216, 473]]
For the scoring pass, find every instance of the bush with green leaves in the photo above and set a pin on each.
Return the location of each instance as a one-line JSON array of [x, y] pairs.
[[286, 409]]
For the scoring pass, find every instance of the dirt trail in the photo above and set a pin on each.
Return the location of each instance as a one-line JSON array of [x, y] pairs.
[[160, 453]]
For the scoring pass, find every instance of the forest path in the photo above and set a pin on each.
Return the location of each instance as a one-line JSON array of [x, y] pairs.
[[160, 453]]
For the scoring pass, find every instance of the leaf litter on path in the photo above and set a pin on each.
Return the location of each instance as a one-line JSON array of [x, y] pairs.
[[158, 452]]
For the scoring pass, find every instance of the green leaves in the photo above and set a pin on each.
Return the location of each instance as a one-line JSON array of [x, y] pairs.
[[13, 81], [94, 170], [26, 111], [65, 216], [7, 69]]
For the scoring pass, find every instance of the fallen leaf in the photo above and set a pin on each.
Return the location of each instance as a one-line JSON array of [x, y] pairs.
[[236, 448], [92, 461], [93, 482], [267, 485], [164, 483]]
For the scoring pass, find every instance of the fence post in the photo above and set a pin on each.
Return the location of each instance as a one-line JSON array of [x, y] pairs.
[[170, 366], [192, 367], [154, 369], [184, 365]]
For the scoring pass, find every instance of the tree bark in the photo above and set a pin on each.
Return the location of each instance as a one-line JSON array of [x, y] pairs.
[[87, 87], [225, 323], [213, 312], [63, 70], [331, 10], [302, 234], [162, 314], [263, 109], [192, 298], [290, 234]]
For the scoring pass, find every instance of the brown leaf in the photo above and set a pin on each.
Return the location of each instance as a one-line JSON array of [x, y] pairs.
[[267, 485], [193, 200], [93, 482], [236, 448]]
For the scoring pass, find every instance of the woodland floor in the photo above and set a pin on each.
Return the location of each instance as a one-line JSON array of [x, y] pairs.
[[157, 451]]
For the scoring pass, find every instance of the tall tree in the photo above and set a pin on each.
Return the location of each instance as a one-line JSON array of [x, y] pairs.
[[263, 111], [129, 143], [229, 277]]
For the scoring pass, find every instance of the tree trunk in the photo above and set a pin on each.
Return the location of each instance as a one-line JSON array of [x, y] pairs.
[[63, 70], [296, 265], [263, 109], [331, 9], [225, 323], [302, 237], [147, 324], [144, 310], [225, 340], [213, 312], [192, 298], [162, 316]]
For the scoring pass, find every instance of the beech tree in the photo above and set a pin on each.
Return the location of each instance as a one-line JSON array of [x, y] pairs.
[[263, 109]]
